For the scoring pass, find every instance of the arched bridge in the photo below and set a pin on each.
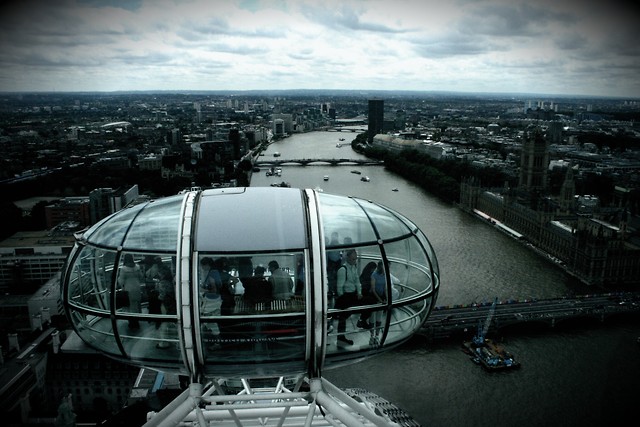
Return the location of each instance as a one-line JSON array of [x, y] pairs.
[[307, 162]]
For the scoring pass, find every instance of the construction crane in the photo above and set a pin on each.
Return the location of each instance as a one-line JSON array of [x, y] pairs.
[[478, 340]]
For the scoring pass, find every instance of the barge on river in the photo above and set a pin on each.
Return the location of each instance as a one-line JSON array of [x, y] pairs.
[[485, 352], [490, 355]]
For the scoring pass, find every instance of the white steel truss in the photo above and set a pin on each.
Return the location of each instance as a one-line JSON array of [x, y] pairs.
[[320, 404]]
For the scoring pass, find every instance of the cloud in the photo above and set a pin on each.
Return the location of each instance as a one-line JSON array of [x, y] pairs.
[[454, 44], [512, 20], [498, 45], [302, 55], [131, 5], [570, 41], [345, 17]]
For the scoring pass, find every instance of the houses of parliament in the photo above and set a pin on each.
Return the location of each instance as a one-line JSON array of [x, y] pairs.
[[592, 243]]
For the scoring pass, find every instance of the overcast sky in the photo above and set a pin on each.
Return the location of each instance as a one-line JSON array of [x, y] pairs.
[[575, 47]]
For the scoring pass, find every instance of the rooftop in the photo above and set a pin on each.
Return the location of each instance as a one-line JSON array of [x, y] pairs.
[[28, 239]]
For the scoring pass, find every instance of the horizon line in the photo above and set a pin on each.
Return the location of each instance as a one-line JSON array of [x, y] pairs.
[[364, 91]]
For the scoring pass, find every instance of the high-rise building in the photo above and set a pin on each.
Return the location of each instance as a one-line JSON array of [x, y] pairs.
[[282, 123], [105, 201], [376, 118]]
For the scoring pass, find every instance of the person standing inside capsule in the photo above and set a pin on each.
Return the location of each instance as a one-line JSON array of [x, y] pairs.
[[349, 292], [130, 279], [280, 282], [227, 286]]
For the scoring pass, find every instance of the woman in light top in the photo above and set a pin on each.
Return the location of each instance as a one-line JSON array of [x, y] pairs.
[[130, 279]]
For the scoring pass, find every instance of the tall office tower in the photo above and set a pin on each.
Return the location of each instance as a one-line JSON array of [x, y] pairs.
[[534, 162], [376, 118], [234, 139]]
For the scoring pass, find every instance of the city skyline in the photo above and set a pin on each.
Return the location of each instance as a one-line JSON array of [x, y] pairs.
[[494, 46]]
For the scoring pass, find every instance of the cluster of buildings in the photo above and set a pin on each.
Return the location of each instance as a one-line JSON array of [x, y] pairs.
[[597, 243], [204, 142], [33, 257], [38, 363], [197, 138]]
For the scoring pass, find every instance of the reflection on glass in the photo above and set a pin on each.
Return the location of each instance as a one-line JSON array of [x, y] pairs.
[[156, 226], [91, 279], [251, 284], [343, 216], [111, 233], [98, 330], [238, 292], [387, 225], [129, 288]]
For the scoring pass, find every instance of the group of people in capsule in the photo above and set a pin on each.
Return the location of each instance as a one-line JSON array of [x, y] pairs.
[[220, 284], [348, 287]]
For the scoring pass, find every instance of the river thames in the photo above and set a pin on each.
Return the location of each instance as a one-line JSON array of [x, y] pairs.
[[574, 375]]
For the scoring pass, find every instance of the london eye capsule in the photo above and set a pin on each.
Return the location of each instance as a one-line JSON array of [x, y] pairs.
[[249, 282]]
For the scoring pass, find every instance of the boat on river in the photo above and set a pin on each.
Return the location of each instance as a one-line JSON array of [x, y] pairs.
[[365, 179], [491, 356], [485, 352]]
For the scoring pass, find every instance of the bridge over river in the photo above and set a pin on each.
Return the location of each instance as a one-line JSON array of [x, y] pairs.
[[445, 322], [306, 162]]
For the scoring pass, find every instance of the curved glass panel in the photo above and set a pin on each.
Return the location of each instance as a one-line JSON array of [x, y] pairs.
[[146, 310], [156, 226], [129, 286], [344, 218], [387, 225], [96, 331], [404, 321], [250, 219], [357, 287], [91, 279], [111, 233], [431, 255], [409, 264]]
